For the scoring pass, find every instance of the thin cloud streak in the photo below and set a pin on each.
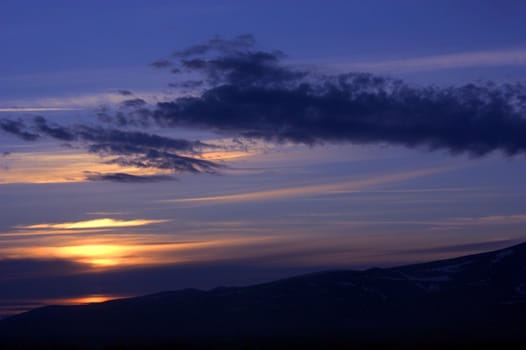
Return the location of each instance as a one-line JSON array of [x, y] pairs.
[[441, 62], [37, 109], [303, 191], [95, 223], [445, 223], [485, 220]]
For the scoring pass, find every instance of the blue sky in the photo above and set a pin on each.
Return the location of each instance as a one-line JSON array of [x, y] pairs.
[[276, 205], [63, 47]]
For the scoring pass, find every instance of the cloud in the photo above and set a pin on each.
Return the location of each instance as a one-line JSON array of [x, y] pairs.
[[35, 109], [126, 178], [253, 94], [57, 132], [127, 147], [134, 102], [312, 190], [17, 128], [440, 62], [75, 102], [487, 220], [95, 223], [218, 44], [161, 64], [124, 92]]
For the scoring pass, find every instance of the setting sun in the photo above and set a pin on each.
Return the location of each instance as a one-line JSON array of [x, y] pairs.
[[88, 299], [96, 254]]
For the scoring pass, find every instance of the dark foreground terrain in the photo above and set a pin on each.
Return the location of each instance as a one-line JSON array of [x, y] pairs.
[[476, 301]]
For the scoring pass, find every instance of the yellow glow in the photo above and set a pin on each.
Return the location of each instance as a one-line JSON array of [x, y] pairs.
[[213, 156], [97, 254], [95, 223], [128, 250]]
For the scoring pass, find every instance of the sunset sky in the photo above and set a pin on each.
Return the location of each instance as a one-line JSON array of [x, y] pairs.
[[157, 145]]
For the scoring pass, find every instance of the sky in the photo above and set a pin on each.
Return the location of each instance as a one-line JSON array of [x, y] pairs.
[[156, 145]]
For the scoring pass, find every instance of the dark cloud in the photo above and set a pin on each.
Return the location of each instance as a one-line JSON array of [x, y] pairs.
[[187, 84], [126, 178], [253, 94], [128, 148], [55, 131], [161, 64], [114, 139], [166, 160], [134, 139], [17, 128], [135, 103], [124, 92], [143, 150], [243, 68], [218, 44]]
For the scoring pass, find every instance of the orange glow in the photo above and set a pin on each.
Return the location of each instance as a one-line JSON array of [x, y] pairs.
[[97, 254], [96, 223], [213, 156], [124, 251], [88, 299], [60, 166], [82, 299]]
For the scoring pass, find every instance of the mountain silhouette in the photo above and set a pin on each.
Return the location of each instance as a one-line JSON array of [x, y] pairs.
[[476, 300]]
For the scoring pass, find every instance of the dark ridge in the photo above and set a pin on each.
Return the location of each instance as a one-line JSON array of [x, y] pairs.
[[471, 301]]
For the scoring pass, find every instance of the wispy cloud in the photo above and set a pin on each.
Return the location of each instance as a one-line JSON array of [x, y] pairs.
[[63, 166], [127, 178], [440, 62], [122, 148], [445, 223], [36, 109], [302, 191], [95, 223], [68, 102], [487, 220]]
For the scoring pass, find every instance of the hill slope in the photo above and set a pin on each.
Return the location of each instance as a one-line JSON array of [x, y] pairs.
[[473, 299]]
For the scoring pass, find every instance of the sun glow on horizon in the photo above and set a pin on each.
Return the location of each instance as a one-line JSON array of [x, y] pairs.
[[97, 255], [95, 298], [122, 251]]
